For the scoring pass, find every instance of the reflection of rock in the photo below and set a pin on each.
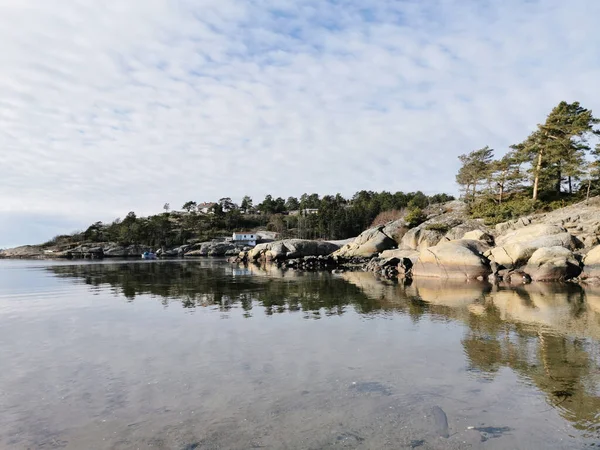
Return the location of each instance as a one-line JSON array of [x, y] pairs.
[[449, 292], [552, 264], [454, 259]]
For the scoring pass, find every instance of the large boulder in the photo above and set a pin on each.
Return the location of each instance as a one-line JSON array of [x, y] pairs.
[[369, 243], [528, 233], [515, 254], [461, 259], [460, 231], [289, 249], [420, 238], [413, 255], [213, 248], [396, 230], [591, 264], [552, 264], [479, 235]]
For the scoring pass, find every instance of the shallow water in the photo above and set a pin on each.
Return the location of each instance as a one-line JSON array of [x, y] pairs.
[[201, 354]]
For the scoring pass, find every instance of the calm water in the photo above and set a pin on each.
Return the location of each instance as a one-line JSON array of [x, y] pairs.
[[201, 354]]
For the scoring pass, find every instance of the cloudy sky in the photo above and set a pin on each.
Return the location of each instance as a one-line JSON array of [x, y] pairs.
[[111, 106]]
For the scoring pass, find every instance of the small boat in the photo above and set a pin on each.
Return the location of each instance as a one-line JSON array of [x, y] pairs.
[[148, 255]]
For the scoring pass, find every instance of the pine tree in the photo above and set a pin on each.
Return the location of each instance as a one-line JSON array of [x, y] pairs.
[[475, 170], [558, 146]]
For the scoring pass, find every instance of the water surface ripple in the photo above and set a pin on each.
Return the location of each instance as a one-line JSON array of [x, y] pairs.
[[200, 354]]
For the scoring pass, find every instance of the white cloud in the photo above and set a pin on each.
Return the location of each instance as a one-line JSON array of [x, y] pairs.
[[111, 106]]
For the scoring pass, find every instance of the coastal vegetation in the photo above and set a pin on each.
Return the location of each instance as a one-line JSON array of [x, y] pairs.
[[554, 166], [308, 217]]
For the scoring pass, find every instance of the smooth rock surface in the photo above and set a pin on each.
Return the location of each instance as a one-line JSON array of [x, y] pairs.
[[369, 243], [552, 264], [516, 253], [462, 259], [591, 264], [289, 249]]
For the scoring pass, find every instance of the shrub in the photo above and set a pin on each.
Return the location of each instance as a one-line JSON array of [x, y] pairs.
[[387, 216], [415, 217], [441, 227], [492, 213]]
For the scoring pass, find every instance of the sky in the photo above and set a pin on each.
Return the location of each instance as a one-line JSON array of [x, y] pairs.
[[114, 106]]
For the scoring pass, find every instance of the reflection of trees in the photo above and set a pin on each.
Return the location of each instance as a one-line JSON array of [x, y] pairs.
[[545, 333], [205, 283]]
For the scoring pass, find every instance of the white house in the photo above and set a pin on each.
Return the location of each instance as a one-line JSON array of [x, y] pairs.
[[245, 237], [205, 207]]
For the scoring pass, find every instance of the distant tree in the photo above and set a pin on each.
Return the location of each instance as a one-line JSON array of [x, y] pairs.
[[309, 201], [189, 206], [418, 200], [267, 206], [226, 204], [167, 207], [246, 204], [279, 205], [292, 204], [475, 170]]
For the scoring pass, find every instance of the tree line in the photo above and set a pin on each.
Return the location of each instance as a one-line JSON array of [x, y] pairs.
[[310, 216], [557, 162]]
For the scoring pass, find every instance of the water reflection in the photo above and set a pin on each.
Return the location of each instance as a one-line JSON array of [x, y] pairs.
[[547, 334]]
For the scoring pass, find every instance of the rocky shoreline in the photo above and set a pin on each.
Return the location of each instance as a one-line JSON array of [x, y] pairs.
[[562, 245], [112, 250]]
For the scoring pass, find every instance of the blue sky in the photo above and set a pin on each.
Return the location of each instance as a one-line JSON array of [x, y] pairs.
[[113, 106]]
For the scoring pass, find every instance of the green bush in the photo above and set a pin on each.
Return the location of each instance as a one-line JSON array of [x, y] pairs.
[[441, 227], [493, 213], [415, 217]]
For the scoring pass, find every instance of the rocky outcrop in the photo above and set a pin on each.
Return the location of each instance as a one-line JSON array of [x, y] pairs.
[[591, 265], [26, 252], [552, 264], [461, 259], [399, 253], [420, 238], [479, 235], [123, 251], [469, 226], [215, 248], [369, 243], [581, 220], [288, 249], [515, 247]]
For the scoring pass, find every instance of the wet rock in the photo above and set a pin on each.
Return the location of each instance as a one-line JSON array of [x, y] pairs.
[[440, 422]]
